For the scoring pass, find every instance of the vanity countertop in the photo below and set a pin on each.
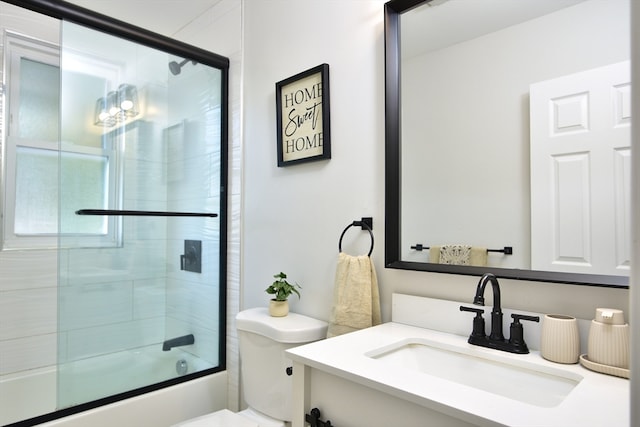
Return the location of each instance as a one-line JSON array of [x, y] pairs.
[[597, 400]]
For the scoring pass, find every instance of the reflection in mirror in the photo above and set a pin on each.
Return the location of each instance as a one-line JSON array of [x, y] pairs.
[[508, 129]]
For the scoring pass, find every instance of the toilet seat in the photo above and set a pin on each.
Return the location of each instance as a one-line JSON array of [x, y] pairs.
[[261, 420], [222, 418]]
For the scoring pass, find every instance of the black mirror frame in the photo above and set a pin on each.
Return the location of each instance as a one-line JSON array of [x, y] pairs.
[[392, 11]]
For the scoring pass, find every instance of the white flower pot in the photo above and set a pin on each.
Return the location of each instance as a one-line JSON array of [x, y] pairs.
[[278, 308]]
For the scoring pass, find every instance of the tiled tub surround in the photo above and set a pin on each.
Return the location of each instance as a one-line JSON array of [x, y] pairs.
[[23, 395], [343, 363]]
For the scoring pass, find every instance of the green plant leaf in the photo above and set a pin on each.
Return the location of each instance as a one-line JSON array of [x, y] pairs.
[[281, 288]]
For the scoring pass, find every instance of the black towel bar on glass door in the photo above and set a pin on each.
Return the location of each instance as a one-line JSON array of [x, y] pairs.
[[117, 212], [365, 225], [507, 250]]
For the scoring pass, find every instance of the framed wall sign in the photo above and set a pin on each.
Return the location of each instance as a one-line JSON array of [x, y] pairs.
[[302, 110]]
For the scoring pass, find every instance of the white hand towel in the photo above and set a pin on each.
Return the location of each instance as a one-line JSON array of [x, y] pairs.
[[356, 298]]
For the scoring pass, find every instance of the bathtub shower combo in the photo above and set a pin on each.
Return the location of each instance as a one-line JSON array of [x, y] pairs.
[[114, 210], [91, 379]]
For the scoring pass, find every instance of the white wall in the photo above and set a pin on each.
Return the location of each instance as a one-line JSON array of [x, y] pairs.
[[293, 216], [473, 97]]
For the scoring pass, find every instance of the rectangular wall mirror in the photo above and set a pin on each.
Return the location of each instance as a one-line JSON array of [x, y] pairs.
[[508, 138]]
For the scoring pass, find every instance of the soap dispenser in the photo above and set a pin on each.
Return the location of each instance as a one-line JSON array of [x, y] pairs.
[[609, 339]]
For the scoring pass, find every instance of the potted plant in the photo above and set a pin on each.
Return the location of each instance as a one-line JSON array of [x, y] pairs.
[[281, 290]]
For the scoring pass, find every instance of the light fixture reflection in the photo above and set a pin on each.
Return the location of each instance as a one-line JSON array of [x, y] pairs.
[[113, 106], [102, 116], [128, 97], [117, 106]]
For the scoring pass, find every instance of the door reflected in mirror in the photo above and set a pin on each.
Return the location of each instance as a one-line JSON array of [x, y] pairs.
[[514, 119]]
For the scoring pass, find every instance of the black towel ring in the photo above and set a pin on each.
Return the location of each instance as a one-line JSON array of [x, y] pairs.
[[359, 224]]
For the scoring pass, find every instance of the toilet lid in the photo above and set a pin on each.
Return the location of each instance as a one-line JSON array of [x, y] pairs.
[[222, 418]]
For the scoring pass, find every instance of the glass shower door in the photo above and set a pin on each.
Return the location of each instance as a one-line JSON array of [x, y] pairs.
[[139, 236]]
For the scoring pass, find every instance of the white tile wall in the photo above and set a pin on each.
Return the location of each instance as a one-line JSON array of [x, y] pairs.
[[114, 298], [139, 315], [193, 298], [28, 269], [95, 304], [28, 309], [234, 253], [108, 338], [27, 352], [219, 30], [149, 298]]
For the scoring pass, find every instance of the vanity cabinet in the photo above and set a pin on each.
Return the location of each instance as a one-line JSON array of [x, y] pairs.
[[350, 404], [419, 370]]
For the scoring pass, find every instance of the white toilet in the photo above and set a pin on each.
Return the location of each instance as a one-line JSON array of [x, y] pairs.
[[266, 386]]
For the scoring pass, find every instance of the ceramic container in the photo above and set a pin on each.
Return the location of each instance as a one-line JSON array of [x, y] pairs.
[[278, 308], [560, 338], [609, 339]]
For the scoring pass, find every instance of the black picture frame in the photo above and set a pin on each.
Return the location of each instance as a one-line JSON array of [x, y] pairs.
[[303, 117]]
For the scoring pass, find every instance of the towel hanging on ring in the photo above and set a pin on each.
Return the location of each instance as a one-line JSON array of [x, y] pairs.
[[356, 298]]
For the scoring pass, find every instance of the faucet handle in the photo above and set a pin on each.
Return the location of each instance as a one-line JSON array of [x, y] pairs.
[[478, 311], [516, 337], [517, 317], [478, 322]]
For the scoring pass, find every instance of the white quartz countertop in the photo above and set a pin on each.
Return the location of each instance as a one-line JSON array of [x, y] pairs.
[[597, 400]]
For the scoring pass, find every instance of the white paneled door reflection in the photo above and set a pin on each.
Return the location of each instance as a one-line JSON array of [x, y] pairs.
[[580, 172]]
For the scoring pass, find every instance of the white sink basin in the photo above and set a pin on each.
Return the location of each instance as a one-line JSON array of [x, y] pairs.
[[494, 373]]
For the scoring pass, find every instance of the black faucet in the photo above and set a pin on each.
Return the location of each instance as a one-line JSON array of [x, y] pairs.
[[496, 340], [178, 342], [496, 312]]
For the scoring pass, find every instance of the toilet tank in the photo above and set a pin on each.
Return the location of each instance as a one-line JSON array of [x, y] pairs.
[[263, 366]]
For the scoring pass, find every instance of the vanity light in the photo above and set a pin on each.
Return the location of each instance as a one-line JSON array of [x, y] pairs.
[[117, 106]]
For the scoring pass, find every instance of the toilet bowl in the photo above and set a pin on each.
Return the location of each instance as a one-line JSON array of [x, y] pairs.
[[266, 382]]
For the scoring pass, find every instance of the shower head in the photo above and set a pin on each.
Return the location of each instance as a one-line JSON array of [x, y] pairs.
[[175, 68]]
